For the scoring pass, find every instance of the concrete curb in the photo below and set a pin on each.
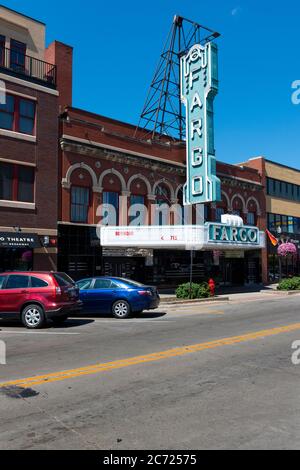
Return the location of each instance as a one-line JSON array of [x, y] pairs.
[[285, 292], [171, 301]]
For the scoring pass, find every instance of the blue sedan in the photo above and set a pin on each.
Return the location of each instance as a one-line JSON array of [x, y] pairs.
[[121, 297]]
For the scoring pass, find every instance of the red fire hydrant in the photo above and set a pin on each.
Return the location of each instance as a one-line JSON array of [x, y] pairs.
[[212, 287]]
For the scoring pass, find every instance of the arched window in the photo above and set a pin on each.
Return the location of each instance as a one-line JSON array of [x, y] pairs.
[[80, 196], [112, 189], [237, 207], [137, 201], [163, 200], [162, 194], [252, 209], [80, 202]]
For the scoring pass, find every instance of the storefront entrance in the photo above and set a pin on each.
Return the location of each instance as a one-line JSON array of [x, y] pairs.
[[16, 259], [240, 271], [16, 250]]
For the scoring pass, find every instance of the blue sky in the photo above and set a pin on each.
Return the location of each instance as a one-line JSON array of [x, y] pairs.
[[117, 46]]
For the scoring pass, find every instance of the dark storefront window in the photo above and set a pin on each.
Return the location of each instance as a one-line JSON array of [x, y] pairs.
[[80, 253], [18, 115], [290, 224], [16, 259], [287, 228], [80, 200], [16, 182], [283, 224]]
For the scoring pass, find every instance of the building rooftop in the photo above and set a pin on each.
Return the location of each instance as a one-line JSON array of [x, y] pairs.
[[21, 14]]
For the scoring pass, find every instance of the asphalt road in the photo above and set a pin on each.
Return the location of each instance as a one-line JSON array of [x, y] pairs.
[[163, 381]]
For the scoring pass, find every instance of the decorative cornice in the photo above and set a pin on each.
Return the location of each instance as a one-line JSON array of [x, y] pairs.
[[120, 157], [239, 183]]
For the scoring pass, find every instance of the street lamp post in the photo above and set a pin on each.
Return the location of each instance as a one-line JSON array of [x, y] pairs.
[[191, 271], [279, 231]]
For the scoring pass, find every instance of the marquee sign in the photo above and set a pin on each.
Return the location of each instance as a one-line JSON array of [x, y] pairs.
[[220, 233], [210, 236], [199, 86], [151, 236]]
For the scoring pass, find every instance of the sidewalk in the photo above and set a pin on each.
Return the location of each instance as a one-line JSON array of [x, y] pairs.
[[232, 294]]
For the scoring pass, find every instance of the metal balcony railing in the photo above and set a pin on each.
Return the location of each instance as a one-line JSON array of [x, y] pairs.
[[15, 63]]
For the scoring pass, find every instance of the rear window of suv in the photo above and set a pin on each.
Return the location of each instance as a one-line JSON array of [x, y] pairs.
[[37, 282], [63, 279]]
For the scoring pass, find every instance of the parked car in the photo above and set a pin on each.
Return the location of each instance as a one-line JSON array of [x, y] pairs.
[[121, 297], [35, 297]]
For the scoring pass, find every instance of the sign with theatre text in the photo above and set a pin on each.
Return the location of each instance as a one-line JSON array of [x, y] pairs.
[[199, 86]]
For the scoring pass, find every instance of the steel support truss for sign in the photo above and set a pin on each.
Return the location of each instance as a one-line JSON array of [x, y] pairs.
[[163, 113]]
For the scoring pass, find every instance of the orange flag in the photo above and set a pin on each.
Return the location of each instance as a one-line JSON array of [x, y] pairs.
[[273, 239]]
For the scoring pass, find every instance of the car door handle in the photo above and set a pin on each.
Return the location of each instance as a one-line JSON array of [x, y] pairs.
[[24, 291]]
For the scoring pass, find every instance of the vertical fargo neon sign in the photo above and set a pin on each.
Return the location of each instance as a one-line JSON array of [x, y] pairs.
[[199, 86]]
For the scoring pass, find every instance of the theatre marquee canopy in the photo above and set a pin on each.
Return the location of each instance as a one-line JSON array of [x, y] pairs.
[[210, 236]]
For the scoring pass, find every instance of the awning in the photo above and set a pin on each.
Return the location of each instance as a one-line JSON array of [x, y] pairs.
[[19, 240], [210, 236]]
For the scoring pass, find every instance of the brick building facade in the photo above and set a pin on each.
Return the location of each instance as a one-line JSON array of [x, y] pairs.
[[103, 159], [28, 145]]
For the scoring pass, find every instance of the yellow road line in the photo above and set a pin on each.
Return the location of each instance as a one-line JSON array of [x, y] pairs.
[[107, 366]]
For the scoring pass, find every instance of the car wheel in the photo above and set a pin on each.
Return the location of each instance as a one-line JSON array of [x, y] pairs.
[[121, 309], [60, 320], [33, 317]]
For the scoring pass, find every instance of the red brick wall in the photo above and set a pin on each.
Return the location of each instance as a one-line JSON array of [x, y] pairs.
[[44, 154], [62, 56], [120, 135]]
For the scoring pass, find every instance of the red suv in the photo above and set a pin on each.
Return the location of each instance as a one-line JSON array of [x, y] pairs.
[[34, 297]]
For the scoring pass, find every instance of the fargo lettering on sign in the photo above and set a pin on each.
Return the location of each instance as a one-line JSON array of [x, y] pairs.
[[228, 234], [199, 86]]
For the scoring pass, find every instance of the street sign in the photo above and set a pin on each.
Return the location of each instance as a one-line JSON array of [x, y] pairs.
[[199, 86]]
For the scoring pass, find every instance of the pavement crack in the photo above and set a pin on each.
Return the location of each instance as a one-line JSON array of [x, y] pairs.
[[88, 444]]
